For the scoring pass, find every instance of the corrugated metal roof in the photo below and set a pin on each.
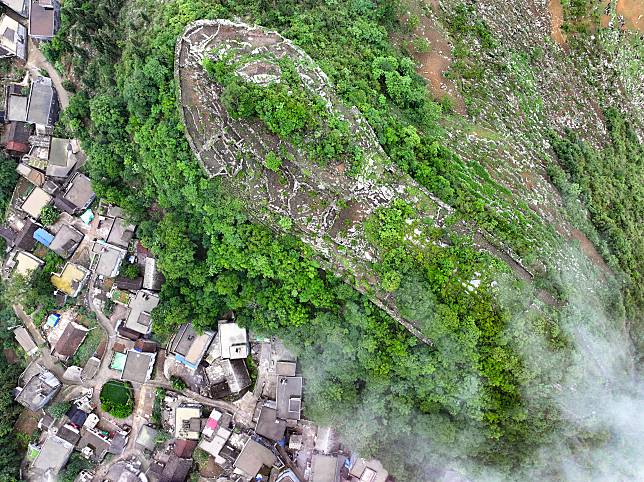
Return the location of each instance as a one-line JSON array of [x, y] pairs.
[[43, 237]]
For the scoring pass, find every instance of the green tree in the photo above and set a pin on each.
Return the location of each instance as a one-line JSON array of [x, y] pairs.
[[49, 215]]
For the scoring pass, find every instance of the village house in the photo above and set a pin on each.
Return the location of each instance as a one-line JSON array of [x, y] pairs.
[[175, 469], [363, 470], [107, 259], [121, 233], [66, 240], [15, 138], [71, 279], [25, 340], [51, 458], [21, 7], [16, 100], [152, 278], [93, 444], [42, 105], [32, 175], [138, 366], [44, 19], [26, 263], [188, 423], [326, 468], [254, 458], [139, 319], [79, 192], [70, 340], [63, 156], [189, 347], [35, 202], [13, 38], [39, 387], [268, 425], [289, 397], [215, 434], [233, 340]]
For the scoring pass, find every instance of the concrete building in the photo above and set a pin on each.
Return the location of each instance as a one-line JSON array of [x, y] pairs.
[[289, 398], [13, 38], [234, 341], [71, 279], [27, 263], [40, 387], [109, 257], [44, 19], [121, 233], [53, 456], [66, 240], [189, 347], [139, 318], [326, 468], [188, 421], [62, 157], [252, 459], [138, 366], [25, 340], [21, 7], [368, 471], [42, 105], [269, 426], [35, 202], [79, 192]]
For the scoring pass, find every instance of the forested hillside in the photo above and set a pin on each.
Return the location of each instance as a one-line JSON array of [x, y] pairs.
[[490, 398]]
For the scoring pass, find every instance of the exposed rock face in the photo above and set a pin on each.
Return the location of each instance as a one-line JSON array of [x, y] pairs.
[[326, 206]]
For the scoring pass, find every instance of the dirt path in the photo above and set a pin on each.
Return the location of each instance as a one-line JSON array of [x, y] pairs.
[[37, 61], [434, 63], [556, 21]]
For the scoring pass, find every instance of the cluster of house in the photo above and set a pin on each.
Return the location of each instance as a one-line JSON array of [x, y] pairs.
[[78, 429], [279, 446], [38, 19]]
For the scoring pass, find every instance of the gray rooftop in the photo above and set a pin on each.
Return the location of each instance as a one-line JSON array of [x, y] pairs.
[[253, 456], [146, 437], [289, 397], [41, 106], [110, 259], [79, 191], [61, 158], [121, 233], [53, 456], [39, 390], [144, 303], [21, 7], [234, 341], [269, 426], [138, 366], [17, 108], [66, 241]]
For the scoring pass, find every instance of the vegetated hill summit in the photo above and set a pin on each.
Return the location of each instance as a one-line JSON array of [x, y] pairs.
[[475, 168]]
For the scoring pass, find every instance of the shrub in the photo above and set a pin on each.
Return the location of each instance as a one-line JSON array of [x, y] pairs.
[[117, 398], [49, 215]]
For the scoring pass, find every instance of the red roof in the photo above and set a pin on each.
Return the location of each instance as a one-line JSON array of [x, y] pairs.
[[17, 147], [184, 448]]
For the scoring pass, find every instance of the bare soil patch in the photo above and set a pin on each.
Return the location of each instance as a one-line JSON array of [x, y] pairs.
[[633, 13], [27, 422], [434, 64], [556, 21], [589, 249]]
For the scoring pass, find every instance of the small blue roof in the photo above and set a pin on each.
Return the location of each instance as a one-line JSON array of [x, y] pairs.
[[43, 237], [52, 320]]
